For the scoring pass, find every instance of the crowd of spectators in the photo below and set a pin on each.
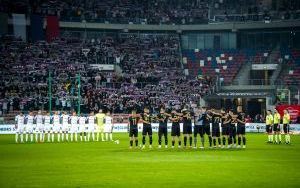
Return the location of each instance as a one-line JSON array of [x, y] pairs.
[[150, 74], [157, 11]]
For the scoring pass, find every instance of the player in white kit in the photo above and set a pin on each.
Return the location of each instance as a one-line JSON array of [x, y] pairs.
[[74, 126], [82, 121], [65, 126], [20, 127], [91, 126], [39, 119], [108, 127], [56, 126], [47, 126], [29, 126]]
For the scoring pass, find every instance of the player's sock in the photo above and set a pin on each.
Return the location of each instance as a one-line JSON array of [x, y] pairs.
[[276, 138], [111, 138], [271, 136], [289, 138], [36, 137], [244, 141], [224, 141], [219, 140], [184, 140], [195, 141], [84, 136], [102, 136], [31, 137], [136, 142], [58, 137], [144, 140], [97, 138], [150, 139], [173, 142], [62, 137], [67, 136], [166, 140], [21, 136], [16, 137], [159, 140], [26, 137], [229, 140], [48, 137], [41, 137], [81, 137], [93, 136], [52, 137], [179, 142], [76, 137], [202, 141], [279, 136], [234, 139], [106, 136], [88, 137], [131, 143], [239, 140], [191, 141], [210, 141], [214, 141]]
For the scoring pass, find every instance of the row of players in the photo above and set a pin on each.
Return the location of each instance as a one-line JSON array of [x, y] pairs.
[[63, 125], [210, 122]]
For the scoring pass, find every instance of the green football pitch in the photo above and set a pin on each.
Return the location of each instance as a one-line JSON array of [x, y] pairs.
[[106, 164]]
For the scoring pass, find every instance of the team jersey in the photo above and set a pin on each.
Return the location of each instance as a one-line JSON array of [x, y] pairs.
[[163, 119], [74, 120], [133, 122], [241, 117], [39, 119], [65, 119], [216, 119], [20, 120], [175, 120], [82, 120], [47, 120], [269, 119], [277, 118], [233, 120], [187, 118], [56, 119], [147, 118], [286, 119], [91, 120], [108, 120], [100, 119], [29, 120]]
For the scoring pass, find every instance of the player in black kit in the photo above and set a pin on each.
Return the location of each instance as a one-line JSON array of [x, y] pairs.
[[187, 126], [133, 128], [216, 120], [241, 128], [147, 127], [225, 128], [205, 128], [162, 117], [232, 130], [175, 131]]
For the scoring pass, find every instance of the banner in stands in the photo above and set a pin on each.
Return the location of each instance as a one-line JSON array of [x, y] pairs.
[[122, 128], [52, 28], [264, 66], [105, 67], [19, 25], [294, 111], [37, 32]]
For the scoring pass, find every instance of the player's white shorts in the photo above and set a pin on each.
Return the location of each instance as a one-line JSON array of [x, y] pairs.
[[39, 127], [56, 128], [107, 128], [91, 128], [48, 127], [74, 128], [29, 128], [65, 127], [20, 129], [82, 128]]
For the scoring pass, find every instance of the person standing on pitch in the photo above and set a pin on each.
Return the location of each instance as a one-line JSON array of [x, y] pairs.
[[216, 121], [187, 127], [133, 121], [91, 126], [175, 130], [162, 118], [276, 127], [225, 129], [269, 123], [47, 126], [82, 121], [65, 126], [100, 124], [29, 126], [198, 121], [108, 127], [56, 126], [232, 130], [147, 127], [241, 127], [74, 126], [39, 119], [20, 127], [286, 126]]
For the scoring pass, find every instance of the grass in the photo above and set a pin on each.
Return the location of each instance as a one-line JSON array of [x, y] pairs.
[[106, 164]]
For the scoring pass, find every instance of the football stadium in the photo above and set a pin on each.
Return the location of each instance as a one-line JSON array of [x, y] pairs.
[[150, 93]]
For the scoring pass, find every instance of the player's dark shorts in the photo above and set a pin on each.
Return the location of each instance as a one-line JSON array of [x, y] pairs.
[[276, 127], [147, 129], [232, 130], [187, 129], [197, 129], [133, 132], [162, 130], [175, 130], [241, 129], [286, 128], [216, 130], [225, 129], [205, 129], [269, 128]]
